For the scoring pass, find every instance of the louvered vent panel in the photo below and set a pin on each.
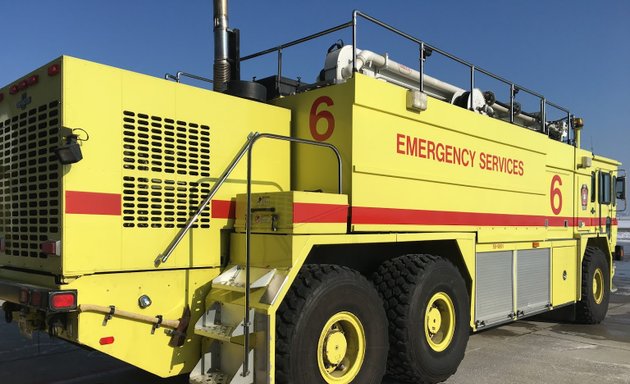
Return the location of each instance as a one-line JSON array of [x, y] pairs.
[[157, 203], [163, 160], [30, 200], [157, 144]]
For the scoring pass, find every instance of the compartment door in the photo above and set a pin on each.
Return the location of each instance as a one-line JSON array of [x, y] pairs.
[[494, 302]]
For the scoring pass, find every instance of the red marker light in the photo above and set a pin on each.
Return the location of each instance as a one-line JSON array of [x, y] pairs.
[[62, 300], [106, 340], [13, 90], [50, 247], [32, 80], [22, 85], [24, 296], [54, 70], [36, 298]]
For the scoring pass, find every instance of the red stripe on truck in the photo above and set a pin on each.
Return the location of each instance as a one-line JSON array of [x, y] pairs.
[[319, 213], [93, 203]]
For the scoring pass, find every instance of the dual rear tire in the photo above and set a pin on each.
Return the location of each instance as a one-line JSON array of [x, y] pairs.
[[427, 304], [335, 326]]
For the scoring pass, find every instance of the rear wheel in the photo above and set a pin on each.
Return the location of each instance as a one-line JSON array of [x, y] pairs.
[[427, 304], [593, 305], [330, 329]]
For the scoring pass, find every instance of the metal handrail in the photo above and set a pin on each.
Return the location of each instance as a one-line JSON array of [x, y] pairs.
[[178, 76], [248, 220], [423, 47], [163, 257], [246, 148]]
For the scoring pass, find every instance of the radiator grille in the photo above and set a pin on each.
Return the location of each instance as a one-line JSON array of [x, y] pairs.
[[157, 144], [157, 203], [30, 180]]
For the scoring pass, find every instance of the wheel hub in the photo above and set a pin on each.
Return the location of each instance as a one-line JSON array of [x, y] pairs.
[[598, 286], [341, 348], [434, 320], [335, 347], [439, 321]]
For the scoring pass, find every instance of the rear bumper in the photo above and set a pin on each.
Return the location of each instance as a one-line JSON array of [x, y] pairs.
[[33, 296]]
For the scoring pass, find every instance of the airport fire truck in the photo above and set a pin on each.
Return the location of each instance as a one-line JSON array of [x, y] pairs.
[[278, 231]]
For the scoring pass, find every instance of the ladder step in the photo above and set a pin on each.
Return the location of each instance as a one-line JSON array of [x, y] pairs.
[[234, 278], [212, 326], [203, 373], [216, 331], [210, 378]]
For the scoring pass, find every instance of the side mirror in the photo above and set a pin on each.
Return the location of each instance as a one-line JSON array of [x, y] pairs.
[[620, 188]]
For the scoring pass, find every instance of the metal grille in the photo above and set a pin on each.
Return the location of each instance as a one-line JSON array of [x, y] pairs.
[[30, 180], [157, 144], [157, 203]]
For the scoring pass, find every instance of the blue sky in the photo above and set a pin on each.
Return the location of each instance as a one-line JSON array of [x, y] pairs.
[[576, 53]]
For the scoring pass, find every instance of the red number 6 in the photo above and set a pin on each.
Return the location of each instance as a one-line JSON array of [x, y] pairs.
[[555, 191], [315, 116]]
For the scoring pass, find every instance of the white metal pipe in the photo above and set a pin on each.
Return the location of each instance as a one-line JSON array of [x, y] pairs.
[[409, 77]]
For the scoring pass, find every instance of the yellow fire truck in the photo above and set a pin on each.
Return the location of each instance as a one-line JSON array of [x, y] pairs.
[[275, 231]]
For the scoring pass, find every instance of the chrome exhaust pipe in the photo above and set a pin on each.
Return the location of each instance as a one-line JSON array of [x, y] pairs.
[[222, 69]]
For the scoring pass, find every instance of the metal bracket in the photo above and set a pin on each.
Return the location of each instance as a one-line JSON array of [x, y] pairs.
[[157, 324], [108, 317]]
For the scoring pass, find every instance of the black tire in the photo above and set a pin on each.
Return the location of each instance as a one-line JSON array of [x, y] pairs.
[[319, 293], [407, 284], [593, 306]]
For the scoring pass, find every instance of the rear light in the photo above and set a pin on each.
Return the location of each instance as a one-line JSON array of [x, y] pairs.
[[24, 296], [32, 80], [106, 340], [13, 90], [54, 70], [36, 299], [1, 97], [51, 247], [62, 300], [22, 85]]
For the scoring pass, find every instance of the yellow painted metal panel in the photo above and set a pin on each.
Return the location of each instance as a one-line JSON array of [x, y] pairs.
[[30, 124], [294, 212], [158, 147], [170, 292], [564, 277], [323, 115]]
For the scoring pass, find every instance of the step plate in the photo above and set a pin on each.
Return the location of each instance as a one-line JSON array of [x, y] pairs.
[[217, 331], [211, 378]]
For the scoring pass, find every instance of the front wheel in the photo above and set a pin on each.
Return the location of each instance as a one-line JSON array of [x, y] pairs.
[[330, 329], [593, 305], [427, 304]]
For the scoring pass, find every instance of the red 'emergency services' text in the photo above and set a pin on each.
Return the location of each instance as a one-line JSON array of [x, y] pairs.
[[450, 154]]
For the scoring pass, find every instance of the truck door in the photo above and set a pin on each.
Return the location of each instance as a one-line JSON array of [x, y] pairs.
[[604, 202]]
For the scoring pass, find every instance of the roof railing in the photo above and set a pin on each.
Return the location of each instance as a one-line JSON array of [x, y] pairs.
[[424, 50]]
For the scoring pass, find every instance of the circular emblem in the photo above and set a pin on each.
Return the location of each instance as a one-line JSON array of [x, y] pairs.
[[584, 194]]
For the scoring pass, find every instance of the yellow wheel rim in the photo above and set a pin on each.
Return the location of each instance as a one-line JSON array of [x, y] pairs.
[[439, 321], [341, 348], [598, 286]]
